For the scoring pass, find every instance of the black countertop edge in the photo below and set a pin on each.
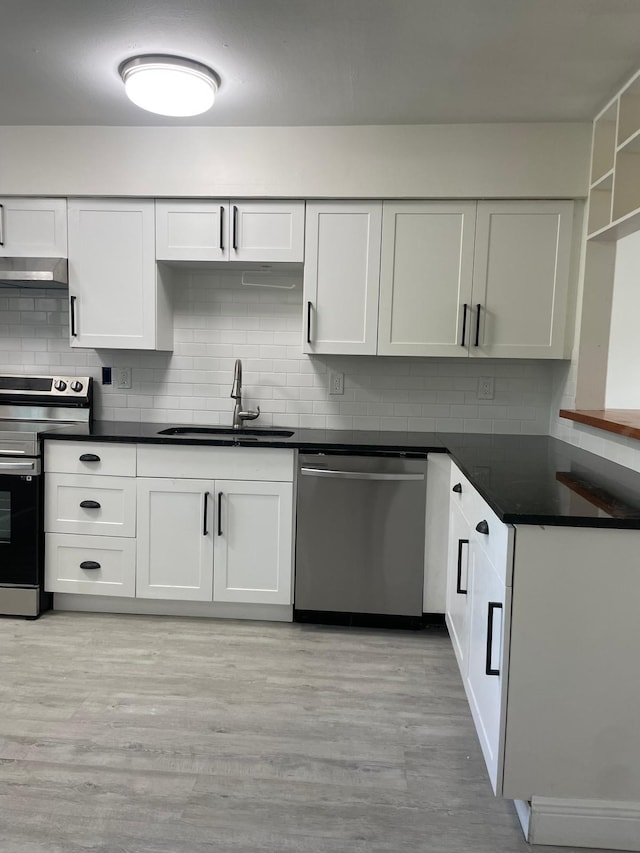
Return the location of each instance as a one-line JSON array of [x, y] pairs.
[[525, 479]]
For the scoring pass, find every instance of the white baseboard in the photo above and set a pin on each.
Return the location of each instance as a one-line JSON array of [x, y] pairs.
[[159, 607], [585, 823]]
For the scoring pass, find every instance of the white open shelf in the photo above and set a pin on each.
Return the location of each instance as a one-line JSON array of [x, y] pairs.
[[614, 196]]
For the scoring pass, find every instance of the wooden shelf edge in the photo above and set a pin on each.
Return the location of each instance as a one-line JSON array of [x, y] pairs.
[[620, 421]]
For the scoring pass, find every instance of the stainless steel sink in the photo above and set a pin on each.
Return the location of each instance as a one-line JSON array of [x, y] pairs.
[[256, 432]]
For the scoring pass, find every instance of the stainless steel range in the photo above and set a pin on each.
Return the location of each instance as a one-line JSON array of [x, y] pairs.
[[29, 406]]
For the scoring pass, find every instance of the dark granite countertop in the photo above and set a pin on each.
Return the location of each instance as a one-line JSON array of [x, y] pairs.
[[525, 479]]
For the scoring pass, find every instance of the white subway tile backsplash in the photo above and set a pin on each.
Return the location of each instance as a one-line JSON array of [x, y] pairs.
[[216, 320]]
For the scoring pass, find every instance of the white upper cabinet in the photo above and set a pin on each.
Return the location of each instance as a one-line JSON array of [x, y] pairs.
[[192, 230], [119, 299], [33, 227], [521, 279], [426, 276], [266, 231], [341, 277], [249, 231]]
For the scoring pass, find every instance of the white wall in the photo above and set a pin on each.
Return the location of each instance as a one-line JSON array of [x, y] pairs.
[[218, 320], [623, 365], [435, 161]]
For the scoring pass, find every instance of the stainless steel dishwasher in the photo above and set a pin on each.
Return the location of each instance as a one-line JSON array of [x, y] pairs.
[[360, 535]]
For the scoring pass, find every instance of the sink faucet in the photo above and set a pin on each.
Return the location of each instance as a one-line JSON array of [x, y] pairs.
[[239, 417]]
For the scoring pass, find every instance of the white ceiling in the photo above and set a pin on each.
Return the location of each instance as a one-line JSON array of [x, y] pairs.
[[322, 62]]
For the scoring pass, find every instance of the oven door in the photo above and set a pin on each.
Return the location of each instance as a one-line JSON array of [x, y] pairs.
[[20, 528]]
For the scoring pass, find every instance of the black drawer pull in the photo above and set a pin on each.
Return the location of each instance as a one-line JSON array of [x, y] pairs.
[[492, 605], [89, 457], [89, 504], [90, 564], [457, 488], [459, 589], [309, 307], [204, 514], [464, 324], [482, 527]]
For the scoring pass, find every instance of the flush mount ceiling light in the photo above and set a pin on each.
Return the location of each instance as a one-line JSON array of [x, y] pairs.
[[169, 85]]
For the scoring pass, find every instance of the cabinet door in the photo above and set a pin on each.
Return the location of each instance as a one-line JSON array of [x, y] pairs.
[[487, 663], [341, 277], [175, 539], [192, 230], [112, 276], [425, 278], [253, 542], [33, 227], [267, 231], [458, 565], [521, 279]]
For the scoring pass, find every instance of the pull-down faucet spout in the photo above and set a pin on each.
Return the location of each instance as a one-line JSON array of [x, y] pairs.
[[239, 416]]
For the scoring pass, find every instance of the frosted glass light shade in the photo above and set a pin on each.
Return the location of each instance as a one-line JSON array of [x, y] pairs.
[[169, 85]]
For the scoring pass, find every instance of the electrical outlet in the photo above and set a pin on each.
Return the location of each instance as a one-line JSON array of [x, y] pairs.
[[336, 383], [485, 388], [123, 377]]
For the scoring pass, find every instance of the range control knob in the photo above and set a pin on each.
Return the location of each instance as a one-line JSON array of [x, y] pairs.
[[76, 386], [60, 385]]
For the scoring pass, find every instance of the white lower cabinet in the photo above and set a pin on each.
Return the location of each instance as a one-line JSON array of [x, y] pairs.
[[478, 613], [253, 542], [489, 610], [200, 524], [175, 539], [457, 585], [220, 539], [545, 635]]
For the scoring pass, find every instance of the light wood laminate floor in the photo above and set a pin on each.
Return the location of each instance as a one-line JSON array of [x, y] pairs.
[[143, 734]]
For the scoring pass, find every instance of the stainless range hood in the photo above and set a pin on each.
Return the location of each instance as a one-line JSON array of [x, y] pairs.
[[34, 272]]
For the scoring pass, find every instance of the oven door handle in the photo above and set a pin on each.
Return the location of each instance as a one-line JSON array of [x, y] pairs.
[[17, 466]]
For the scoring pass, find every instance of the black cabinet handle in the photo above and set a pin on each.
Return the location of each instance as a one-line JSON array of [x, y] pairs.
[[219, 513], [459, 589], [482, 527], [204, 514], [235, 227], [90, 564], [457, 488], [74, 334], [89, 504], [89, 457], [464, 324], [1, 224], [478, 307], [309, 308], [492, 605], [221, 228]]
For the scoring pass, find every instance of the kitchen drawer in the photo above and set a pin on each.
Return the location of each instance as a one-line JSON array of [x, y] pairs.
[[497, 542], [462, 494], [115, 558], [115, 515], [210, 463], [78, 457]]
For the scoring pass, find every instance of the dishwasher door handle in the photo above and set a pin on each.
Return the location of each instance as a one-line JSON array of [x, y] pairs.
[[357, 475]]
